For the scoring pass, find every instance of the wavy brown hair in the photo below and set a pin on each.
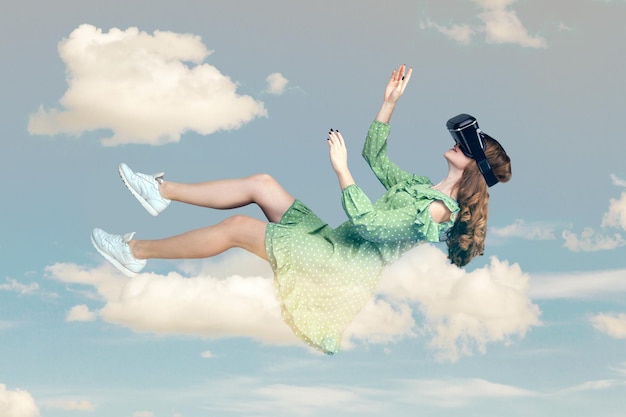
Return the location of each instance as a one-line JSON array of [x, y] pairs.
[[466, 237]]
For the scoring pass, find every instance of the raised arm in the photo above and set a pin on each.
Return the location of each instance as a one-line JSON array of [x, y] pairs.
[[375, 148]]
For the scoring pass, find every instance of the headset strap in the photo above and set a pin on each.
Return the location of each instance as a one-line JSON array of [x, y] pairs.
[[483, 163]]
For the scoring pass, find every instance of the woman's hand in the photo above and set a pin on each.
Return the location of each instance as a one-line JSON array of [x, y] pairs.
[[395, 88], [397, 83], [339, 158]]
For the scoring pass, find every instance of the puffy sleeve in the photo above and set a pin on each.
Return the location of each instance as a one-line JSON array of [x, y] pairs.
[[375, 153], [411, 223]]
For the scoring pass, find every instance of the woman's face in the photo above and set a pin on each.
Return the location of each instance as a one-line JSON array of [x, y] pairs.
[[457, 158]]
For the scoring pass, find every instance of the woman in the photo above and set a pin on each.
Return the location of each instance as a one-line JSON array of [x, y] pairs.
[[324, 276]]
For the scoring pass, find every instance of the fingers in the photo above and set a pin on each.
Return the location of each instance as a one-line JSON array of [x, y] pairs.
[[407, 76], [335, 138], [402, 74]]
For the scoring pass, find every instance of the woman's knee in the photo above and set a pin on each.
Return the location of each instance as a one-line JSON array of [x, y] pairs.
[[264, 182], [247, 233]]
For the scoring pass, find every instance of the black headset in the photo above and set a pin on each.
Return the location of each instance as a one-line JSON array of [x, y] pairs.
[[466, 133]]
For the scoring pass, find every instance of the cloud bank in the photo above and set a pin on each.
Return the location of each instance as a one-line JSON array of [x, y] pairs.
[[17, 403], [146, 88], [497, 21], [460, 311]]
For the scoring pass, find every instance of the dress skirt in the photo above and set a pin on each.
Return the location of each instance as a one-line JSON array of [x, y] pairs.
[[323, 276]]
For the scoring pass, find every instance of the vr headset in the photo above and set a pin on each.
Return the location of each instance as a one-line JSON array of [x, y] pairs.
[[466, 133]]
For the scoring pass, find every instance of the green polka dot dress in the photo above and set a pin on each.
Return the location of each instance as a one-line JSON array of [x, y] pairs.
[[325, 276]]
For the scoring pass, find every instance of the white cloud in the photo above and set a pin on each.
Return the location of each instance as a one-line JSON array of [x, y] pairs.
[[503, 26], [344, 400], [616, 214], [71, 405], [17, 403], [380, 322], [174, 304], [612, 324], [619, 370], [295, 399], [458, 392], [521, 229], [590, 240], [597, 385], [461, 310], [276, 83], [459, 33], [499, 24], [145, 88], [207, 354], [618, 181], [80, 313], [143, 414], [15, 286], [564, 28], [578, 285]]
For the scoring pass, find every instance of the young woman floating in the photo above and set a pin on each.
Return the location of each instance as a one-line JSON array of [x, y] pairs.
[[325, 276]]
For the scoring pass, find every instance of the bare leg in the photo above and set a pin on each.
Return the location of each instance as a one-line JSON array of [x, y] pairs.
[[235, 232], [261, 189]]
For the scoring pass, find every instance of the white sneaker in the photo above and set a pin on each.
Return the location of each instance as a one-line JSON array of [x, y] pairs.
[[116, 250], [145, 188]]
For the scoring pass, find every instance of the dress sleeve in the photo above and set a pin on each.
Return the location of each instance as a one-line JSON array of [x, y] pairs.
[[409, 223], [375, 153]]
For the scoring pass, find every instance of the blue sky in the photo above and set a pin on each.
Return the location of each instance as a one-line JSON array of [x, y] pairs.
[[218, 89]]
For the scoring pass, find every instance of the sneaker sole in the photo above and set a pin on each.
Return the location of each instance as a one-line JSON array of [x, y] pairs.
[[139, 198], [114, 261]]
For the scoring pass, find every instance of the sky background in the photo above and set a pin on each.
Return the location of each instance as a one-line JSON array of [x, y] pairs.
[[216, 89]]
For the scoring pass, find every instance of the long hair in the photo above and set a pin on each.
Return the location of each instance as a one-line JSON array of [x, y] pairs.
[[466, 237]]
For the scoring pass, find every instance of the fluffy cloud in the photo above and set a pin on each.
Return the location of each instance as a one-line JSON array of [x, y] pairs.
[[276, 83], [175, 304], [146, 88], [591, 240], [524, 230], [461, 311], [80, 313], [616, 214], [612, 324], [17, 403], [500, 25]]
